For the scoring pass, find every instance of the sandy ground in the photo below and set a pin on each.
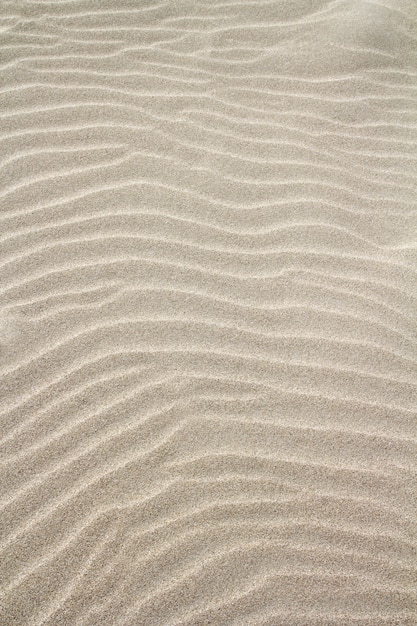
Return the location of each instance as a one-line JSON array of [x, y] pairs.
[[207, 314]]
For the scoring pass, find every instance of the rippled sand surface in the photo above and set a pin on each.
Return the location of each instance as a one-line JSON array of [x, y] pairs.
[[207, 314]]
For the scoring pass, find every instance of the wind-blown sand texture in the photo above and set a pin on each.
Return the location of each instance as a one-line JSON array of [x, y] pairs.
[[207, 315]]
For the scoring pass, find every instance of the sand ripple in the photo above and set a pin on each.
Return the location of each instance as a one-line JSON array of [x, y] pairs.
[[207, 317]]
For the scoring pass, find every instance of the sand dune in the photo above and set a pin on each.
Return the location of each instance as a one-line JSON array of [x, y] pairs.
[[207, 314]]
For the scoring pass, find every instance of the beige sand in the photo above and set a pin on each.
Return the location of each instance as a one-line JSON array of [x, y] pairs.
[[207, 315]]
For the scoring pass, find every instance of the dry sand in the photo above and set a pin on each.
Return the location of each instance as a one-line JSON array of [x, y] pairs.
[[207, 316]]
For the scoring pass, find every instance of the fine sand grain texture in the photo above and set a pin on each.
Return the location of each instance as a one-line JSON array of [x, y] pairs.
[[208, 289]]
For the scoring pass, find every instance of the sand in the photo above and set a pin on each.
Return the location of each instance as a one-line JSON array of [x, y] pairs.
[[207, 313]]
